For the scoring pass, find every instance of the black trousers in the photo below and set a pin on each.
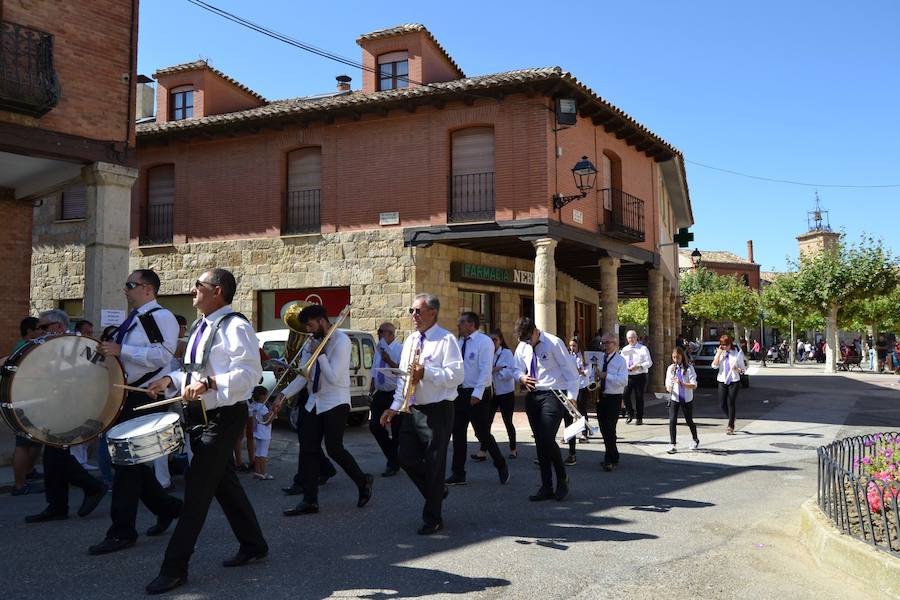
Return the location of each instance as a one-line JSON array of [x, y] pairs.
[[326, 469], [424, 438], [60, 470], [133, 483], [608, 415], [388, 441], [507, 405], [330, 425], [545, 413], [688, 409], [635, 387], [728, 393], [465, 413], [212, 476]]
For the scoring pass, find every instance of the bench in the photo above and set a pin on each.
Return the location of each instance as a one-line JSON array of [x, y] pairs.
[[850, 362]]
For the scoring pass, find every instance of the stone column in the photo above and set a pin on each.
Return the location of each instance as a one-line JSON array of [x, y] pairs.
[[656, 328], [108, 226], [609, 295], [545, 284]]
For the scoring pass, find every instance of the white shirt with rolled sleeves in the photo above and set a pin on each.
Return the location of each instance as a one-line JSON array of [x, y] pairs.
[[735, 362], [584, 379], [138, 356], [688, 375], [556, 369], [393, 350], [616, 374], [504, 379], [233, 361], [477, 363], [443, 367], [638, 355], [334, 381]]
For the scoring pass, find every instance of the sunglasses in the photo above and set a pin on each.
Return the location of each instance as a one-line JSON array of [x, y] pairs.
[[416, 311], [130, 285], [198, 284]]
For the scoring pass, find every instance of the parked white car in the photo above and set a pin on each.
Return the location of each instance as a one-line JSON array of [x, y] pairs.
[[362, 351]]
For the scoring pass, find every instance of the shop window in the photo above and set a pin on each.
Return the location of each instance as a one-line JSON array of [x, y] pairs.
[[480, 303], [526, 307]]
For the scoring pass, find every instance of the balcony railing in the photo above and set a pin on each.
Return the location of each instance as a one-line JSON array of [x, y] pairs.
[[28, 83], [626, 219], [302, 212], [471, 197], [158, 228]]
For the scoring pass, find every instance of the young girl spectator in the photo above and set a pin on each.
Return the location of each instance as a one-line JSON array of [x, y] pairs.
[[681, 379], [262, 430]]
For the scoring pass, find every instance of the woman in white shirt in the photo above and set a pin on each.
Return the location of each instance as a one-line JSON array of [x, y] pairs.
[[504, 396], [681, 379], [730, 361]]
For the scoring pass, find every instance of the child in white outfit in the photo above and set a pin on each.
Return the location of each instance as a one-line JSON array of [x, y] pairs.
[[262, 430]]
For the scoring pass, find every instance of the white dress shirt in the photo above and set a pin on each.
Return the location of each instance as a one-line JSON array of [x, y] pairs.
[[616, 373], [583, 378], [688, 375], [233, 361], [138, 356], [504, 379], [730, 373], [555, 368], [478, 363], [334, 380], [443, 367], [639, 355], [385, 382]]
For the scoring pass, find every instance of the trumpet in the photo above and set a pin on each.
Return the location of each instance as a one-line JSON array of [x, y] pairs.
[[307, 367], [579, 423], [409, 387]]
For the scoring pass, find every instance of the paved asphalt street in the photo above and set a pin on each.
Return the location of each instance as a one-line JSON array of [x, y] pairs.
[[719, 523]]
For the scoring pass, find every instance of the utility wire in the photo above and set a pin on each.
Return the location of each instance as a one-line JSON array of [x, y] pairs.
[[813, 185]]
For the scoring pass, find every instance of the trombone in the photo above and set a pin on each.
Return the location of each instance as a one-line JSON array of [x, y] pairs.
[[307, 367]]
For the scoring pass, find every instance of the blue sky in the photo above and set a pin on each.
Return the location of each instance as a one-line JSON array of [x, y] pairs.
[[799, 90]]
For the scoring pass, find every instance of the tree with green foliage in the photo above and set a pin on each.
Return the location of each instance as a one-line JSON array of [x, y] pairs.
[[700, 281], [735, 302], [872, 315], [838, 276], [634, 312], [785, 309]]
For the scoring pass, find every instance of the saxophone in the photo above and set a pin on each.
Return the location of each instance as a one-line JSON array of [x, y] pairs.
[[409, 388]]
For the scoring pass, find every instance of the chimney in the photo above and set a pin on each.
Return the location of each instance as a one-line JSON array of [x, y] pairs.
[[343, 84], [750, 250], [145, 96]]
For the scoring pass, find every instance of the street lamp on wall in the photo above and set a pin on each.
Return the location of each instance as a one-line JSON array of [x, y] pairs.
[[695, 258], [585, 175]]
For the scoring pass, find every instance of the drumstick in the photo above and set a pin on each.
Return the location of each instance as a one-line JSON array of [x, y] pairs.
[[160, 403], [130, 388]]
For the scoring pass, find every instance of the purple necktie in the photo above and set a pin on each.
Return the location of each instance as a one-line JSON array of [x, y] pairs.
[[727, 368], [419, 346], [379, 377], [678, 374], [197, 341], [316, 378], [534, 365], [631, 358], [123, 328]]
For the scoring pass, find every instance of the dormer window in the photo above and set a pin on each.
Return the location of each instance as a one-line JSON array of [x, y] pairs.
[[182, 103], [393, 71]]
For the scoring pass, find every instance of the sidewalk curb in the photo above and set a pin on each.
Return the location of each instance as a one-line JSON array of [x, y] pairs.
[[830, 548]]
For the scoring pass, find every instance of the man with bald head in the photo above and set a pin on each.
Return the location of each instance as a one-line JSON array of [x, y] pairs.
[[638, 362], [387, 355]]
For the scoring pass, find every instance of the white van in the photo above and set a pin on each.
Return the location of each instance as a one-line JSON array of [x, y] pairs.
[[362, 351]]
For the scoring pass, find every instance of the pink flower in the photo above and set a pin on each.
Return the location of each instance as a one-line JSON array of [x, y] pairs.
[[867, 460]]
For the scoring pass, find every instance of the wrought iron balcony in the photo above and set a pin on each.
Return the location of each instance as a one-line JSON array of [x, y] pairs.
[[302, 212], [28, 83], [624, 215], [159, 225], [471, 198]]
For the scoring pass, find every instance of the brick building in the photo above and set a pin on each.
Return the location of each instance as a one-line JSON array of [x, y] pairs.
[[66, 122], [423, 180]]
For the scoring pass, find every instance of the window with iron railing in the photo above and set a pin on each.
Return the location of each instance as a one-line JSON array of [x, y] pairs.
[[28, 83], [302, 201], [625, 218], [159, 218], [471, 184]]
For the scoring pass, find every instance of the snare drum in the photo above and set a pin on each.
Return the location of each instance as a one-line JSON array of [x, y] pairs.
[[145, 438], [59, 391]]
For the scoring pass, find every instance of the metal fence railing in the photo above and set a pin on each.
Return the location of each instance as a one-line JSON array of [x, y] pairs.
[[159, 225], [302, 212], [858, 488], [28, 82]]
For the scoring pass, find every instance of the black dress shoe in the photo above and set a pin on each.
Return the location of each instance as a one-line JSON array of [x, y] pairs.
[[430, 529], [456, 480], [562, 490], [164, 583], [478, 457], [90, 502], [629, 420], [390, 472], [639, 422], [292, 491], [304, 508], [242, 558], [542, 494], [365, 492], [110, 545], [503, 472], [46, 515], [162, 523]]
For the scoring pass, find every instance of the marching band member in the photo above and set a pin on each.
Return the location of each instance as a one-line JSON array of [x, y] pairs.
[[387, 355], [542, 366], [504, 388], [223, 368], [425, 432], [326, 412], [681, 379], [637, 359], [473, 399], [144, 344], [613, 377], [729, 360]]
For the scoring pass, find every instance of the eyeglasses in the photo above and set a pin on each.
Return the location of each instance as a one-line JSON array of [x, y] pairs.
[[416, 311], [130, 285], [198, 284]]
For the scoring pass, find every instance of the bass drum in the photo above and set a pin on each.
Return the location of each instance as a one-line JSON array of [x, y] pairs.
[[59, 391]]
